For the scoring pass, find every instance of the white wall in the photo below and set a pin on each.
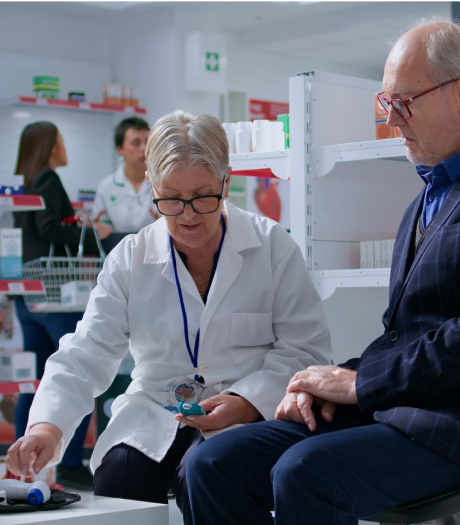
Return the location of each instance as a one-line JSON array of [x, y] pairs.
[[34, 28], [144, 55]]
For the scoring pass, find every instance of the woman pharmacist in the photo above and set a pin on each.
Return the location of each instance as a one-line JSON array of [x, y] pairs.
[[41, 151], [123, 199], [215, 305]]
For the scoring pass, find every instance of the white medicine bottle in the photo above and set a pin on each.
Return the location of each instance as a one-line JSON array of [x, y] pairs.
[[243, 137]]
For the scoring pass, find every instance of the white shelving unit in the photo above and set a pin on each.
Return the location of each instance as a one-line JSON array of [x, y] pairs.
[[55, 103], [326, 158], [11, 203], [328, 281], [271, 164]]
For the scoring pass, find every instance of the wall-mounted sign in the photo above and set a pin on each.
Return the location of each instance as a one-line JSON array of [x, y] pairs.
[[266, 109]]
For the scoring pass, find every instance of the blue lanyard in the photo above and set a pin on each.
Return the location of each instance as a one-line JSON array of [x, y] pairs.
[[194, 356]]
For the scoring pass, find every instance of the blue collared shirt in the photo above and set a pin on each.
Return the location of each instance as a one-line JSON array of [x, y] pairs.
[[439, 180]]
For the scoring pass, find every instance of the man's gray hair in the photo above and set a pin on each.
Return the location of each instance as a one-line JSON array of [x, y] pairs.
[[443, 49], [186, 139]]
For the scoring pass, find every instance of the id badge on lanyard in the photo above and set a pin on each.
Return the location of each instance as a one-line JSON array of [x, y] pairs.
[[186, 389]]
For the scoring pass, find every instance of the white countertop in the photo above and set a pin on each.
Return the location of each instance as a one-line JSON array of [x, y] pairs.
[[95, 510]]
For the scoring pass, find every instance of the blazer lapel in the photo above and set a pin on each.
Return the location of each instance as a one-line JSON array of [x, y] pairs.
[[451, 202], [401, 264]]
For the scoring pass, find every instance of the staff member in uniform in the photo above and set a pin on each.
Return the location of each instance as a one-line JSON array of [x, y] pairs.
[[215, 304], [41, 151], [123, 199]]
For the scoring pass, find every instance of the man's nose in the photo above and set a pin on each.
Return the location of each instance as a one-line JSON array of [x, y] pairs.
[[394, 118]]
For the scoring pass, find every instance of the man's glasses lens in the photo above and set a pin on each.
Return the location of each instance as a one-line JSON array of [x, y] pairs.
[[398, 106], [199, 204]]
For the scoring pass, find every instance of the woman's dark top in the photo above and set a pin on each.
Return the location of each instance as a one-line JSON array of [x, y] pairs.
[[41, 228]]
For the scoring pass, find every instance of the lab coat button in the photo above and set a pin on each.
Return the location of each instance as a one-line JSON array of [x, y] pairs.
[[393, 336], [203, 368], [200, 310]]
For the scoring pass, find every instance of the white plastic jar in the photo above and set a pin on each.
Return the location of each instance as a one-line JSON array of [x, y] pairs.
[[261, 135], [230, 130], [277, 136], [243, 137]]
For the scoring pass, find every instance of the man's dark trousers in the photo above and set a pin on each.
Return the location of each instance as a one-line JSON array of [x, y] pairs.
[[349, 469]]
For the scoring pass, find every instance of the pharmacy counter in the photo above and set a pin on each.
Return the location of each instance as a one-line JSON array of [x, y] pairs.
[[95, 510]]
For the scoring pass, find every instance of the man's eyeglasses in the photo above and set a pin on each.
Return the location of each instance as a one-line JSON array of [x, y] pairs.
[[202, 205], [400, 105]]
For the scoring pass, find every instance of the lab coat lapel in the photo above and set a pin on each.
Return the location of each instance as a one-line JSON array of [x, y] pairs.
[[159, 252], [240, 236], [228, 268]]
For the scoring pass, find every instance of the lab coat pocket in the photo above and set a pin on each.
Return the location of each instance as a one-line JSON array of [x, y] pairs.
[[250, 334]]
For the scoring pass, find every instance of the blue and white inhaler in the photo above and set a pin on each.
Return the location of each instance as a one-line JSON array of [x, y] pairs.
[[190, 409], [35, 493]]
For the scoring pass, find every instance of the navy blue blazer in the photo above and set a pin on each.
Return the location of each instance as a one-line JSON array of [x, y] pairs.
[[409, 377]]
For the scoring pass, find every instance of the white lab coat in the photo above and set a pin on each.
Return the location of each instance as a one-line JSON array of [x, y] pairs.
[[263, 322], [126, 209]]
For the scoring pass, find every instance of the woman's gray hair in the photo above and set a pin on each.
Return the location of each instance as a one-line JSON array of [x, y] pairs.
[[186, 139], [443, 48]]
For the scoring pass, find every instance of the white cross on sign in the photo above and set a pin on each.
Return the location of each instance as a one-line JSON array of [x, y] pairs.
[[212, 61]]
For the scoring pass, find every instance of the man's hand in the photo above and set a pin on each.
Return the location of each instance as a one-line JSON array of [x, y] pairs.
[[36, 448], [225, 410], [297, 407], [329, 383]]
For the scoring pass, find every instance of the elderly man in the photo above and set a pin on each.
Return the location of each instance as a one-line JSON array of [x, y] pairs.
[[384, 429]]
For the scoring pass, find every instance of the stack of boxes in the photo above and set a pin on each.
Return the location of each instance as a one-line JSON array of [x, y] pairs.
[[11, 253], [46, 87], [376, 254], [120, 95], [382, 131]]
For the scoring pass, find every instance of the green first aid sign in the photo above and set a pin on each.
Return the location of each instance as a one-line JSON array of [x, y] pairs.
[[212, 61]]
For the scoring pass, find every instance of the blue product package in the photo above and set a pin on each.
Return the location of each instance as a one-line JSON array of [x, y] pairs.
[[190, 409]]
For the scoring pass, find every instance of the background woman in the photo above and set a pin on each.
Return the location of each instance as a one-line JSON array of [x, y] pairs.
[[41, 152]]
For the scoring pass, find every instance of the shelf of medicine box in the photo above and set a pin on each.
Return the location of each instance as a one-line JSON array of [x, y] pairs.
[[56, 103], [237, 194], [19, 387], [20, 287], [328, 281], [47, 308], [86, 206], [21, 203], [326, 157], [265, 164]]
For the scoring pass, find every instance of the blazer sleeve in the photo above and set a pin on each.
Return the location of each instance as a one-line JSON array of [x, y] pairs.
[[48, 221], [427, 367]]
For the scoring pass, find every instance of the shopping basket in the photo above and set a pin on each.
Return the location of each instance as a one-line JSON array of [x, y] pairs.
[[56, 271]]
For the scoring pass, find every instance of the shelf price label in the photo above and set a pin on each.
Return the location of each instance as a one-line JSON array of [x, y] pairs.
[[6, 202], [85, 105], [129, 109], [16, 287], [27, 388]]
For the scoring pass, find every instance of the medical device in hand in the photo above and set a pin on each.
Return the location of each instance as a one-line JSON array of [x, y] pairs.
[[191, 409], [35, 493]]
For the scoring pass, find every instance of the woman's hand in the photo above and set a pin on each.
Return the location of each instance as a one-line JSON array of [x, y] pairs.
[[35, 449], [225, 410]]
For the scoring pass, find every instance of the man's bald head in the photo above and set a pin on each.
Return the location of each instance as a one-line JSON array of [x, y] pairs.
[[433, 45], [423, 69]]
